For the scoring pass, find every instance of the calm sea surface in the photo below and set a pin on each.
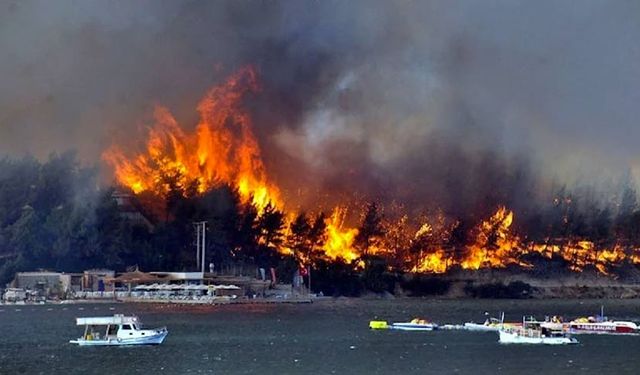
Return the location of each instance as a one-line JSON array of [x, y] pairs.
[[329, 337]]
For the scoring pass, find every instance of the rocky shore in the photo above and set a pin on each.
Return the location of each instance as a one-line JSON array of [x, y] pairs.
[[506, 284]]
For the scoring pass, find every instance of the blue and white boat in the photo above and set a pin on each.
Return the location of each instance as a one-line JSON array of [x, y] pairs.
[[414, 325], [117, 330]]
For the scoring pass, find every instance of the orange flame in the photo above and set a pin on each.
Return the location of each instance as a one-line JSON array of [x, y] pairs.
[[431, 260], [339, 242], [579, 254], [222, 150], [494, 246]]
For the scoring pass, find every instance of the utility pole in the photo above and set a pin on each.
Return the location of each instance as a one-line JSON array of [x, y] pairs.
[[197, 228], [204, 248], [201, 227]]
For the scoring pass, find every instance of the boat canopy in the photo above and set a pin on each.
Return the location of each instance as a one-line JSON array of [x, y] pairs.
[[107, 320]]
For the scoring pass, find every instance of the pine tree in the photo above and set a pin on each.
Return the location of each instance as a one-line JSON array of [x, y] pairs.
[[370, 230]]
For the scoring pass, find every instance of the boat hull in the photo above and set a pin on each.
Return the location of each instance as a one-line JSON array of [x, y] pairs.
[[413, 327], [515, 338], [477, 327], [604, 328], [481, 327], [156, 339]]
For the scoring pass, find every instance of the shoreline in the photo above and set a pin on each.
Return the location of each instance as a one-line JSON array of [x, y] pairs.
[[462, 286], [542, 293]]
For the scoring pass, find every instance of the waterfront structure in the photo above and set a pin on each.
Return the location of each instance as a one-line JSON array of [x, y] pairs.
[[95, 280], [43, 284]]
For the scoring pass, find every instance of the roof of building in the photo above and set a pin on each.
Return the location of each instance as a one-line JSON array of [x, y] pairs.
[[100, 271], [136, 276], [39, 273]]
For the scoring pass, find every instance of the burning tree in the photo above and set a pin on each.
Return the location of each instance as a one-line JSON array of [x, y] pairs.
[[223, 151], [370, 232]]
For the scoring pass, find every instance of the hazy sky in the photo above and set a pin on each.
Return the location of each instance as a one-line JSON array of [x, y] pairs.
[[374, 91]]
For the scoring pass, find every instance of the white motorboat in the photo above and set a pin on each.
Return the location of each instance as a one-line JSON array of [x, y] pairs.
[[490, 325], [117, 330], [414, 325], [546, 333], [484, 327]]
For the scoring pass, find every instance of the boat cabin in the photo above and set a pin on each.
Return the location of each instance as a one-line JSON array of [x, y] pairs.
[[111, 327], [117, 330]]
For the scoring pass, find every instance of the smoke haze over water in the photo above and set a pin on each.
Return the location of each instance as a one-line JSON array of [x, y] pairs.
[[441, 103]]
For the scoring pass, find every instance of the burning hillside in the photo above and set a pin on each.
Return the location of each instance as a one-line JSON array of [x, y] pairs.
[[222, 150]]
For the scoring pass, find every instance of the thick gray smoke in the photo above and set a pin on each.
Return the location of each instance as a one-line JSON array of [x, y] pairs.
[[451, 104]]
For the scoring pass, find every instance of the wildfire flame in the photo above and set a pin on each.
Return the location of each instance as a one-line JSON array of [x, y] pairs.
[[494, 245], [221, 150], [340, 240]]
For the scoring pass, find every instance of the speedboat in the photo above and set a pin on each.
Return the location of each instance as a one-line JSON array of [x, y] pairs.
[[490, 325], [600, 324], [487, 326], [414, 325], [117, 330], [546, 333], [584, 325]]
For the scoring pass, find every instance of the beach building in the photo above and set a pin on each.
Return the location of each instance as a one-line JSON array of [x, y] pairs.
[[44, 281], [95, 280]]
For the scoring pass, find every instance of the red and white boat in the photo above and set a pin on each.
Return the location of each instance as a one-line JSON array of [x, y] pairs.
[[600, 324], [583, 325]]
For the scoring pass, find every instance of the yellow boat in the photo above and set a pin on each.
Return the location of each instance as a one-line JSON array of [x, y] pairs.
[[378, 324]]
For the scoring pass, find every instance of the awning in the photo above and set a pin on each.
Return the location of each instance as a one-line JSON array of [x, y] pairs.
[[134, 277]]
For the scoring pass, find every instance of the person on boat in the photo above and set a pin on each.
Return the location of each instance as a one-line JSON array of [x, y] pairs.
[[113, 331]]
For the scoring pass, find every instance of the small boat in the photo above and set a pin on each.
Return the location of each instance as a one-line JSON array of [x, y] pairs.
[[545, 333], [414, 325], [117, 330], [490, 325], [378, 324], [600, 324]]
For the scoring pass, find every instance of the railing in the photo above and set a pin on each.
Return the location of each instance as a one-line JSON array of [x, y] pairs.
[[525, 332]]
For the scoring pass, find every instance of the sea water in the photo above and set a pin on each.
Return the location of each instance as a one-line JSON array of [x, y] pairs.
[[326, 337]]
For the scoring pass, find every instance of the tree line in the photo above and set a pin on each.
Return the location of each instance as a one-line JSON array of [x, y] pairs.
[[55, 215]]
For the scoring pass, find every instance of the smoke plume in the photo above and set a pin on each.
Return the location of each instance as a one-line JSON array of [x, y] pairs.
[[457, 105]]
